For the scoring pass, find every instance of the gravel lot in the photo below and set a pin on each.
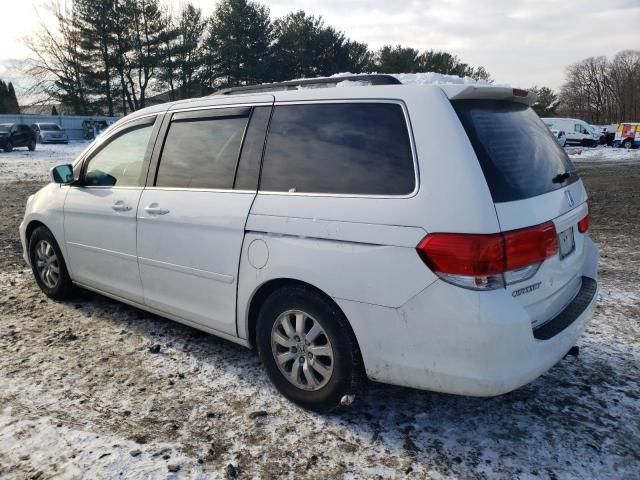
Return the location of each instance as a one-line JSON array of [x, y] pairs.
[[96, 389]]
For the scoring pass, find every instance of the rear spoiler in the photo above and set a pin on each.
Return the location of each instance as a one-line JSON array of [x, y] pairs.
[[488, 92]]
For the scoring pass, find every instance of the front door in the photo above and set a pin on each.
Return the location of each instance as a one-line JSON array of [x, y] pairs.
[[191, 222], [100, 212]]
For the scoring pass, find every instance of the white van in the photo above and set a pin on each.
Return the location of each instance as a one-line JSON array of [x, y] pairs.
[[578, 132], [433, 237]]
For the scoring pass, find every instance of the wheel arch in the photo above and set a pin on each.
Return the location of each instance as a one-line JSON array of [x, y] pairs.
[[31, 226], [270, 286]]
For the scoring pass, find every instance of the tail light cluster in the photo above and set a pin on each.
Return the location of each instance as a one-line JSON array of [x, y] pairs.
[[487, 262]]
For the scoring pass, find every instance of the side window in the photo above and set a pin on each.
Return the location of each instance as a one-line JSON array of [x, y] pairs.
[[348, 148], [119, 162], [202, 151], [580, 129]]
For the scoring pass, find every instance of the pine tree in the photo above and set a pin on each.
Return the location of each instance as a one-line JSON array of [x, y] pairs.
[[3, 97], [182, 52], [398, 59], [547, 102], [12, 104], [305, 47], [237, 43], [94, 23]]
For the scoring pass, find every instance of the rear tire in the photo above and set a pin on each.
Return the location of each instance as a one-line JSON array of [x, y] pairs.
[[8, 147], [320, 367], [32, 145], [48, 265]]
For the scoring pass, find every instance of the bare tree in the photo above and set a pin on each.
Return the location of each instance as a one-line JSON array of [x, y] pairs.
[[602, 91], [55, 64]]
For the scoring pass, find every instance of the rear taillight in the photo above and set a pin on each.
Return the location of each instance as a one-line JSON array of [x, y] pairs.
[[583, 225], [486, 262]]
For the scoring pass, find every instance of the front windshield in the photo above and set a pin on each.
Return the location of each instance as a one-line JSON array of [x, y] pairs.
[[49, 127], [5, 127]]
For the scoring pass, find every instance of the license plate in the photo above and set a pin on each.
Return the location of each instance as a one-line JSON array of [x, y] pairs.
[[566, 242]]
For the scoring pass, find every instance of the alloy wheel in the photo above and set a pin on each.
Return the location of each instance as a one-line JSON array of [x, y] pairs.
[[47, 264], [302, 350]]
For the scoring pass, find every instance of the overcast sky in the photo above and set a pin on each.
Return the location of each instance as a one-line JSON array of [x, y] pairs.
[[521, 42]]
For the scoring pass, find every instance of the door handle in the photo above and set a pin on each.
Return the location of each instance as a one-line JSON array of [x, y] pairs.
[[120, 206], [155, 209]]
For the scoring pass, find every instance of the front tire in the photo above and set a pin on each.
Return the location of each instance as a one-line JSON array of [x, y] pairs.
[[308, 349], [8, 147], [628, 144], [48, 266], [32, 146]]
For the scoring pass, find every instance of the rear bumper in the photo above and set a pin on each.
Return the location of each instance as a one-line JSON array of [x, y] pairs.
[[452, 340]]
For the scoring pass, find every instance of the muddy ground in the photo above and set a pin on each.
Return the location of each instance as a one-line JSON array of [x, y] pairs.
[[96, 389]]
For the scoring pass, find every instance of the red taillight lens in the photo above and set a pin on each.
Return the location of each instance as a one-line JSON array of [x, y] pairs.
[[463, 254], [530, 245], [518, 92], [583, 225], [470, 255]]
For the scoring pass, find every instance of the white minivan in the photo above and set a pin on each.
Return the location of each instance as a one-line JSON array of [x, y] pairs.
[[432, 237], [578, 131]]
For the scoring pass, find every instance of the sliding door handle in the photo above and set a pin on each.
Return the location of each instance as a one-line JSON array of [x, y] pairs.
[[155, 209], [120, 206]]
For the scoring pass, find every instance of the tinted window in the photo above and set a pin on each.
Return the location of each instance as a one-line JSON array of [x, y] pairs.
[[518, 154], [351, 148], [201, 152], [119, 162]]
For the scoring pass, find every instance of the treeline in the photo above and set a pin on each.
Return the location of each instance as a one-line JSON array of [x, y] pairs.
[[111, 56], [8, 99], [602, 91]]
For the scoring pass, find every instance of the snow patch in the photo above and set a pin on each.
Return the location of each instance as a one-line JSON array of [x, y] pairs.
[[424, 78], [23, 165], [602, 154]]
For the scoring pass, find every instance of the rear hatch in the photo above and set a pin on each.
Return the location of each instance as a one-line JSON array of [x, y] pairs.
[[533, 183]]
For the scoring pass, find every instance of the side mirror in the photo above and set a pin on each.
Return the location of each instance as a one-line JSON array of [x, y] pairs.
[[62, 174]]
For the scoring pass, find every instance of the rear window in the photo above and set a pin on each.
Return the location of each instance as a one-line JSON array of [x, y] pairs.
[[347, 148], [49, 127], [519, 156]]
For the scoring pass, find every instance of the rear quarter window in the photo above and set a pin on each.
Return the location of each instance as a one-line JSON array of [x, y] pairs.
[[519, 156], [346, 148]]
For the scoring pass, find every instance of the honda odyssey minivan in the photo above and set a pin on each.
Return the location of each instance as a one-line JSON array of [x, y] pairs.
[[433, 237]]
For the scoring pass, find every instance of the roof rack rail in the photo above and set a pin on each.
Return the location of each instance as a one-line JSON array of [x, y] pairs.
[[374, 79]]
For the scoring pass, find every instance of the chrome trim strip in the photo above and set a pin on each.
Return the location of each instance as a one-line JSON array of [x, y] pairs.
[[211, 190], [225, 105], [220, 277], [104, 251]]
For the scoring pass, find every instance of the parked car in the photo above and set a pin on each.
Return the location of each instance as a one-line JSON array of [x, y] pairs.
[[380, 231], [561, 137], [578, 132], [627, 135], [13, 135], [607, 133], [49, 133]]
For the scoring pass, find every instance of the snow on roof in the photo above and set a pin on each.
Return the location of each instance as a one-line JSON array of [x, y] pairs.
[[424, 78]]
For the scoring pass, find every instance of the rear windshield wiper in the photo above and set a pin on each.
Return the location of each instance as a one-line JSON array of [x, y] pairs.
[[561, 177]]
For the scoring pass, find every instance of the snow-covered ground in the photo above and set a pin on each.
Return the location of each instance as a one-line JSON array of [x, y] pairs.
[[21, 164], [603, 154], [97, 389]]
